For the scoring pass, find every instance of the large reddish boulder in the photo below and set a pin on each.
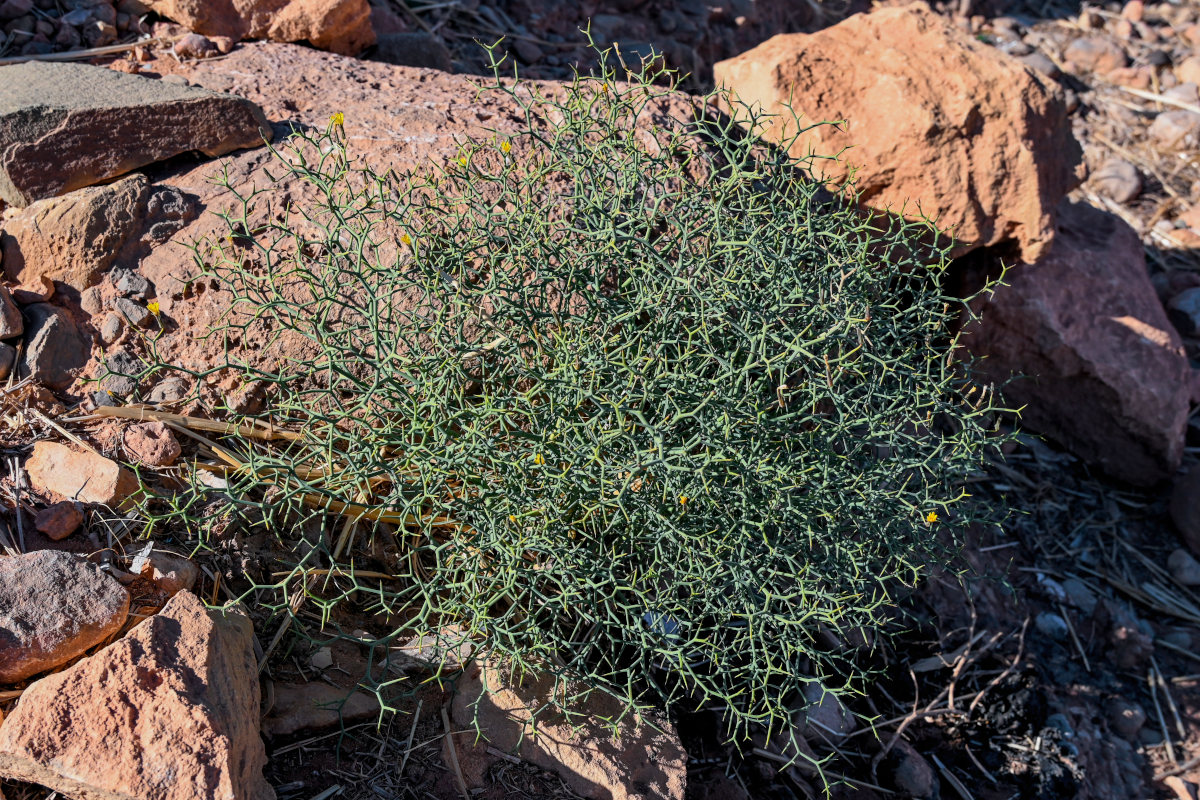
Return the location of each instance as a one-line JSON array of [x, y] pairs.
[[53, 607], [1098, 366], [170, 712], [66, 126], [342, 26], [936, 122]]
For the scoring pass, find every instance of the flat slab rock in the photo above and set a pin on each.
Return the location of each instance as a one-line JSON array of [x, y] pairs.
[[66, 126], [644, 762], [170, 712], [53, 607]]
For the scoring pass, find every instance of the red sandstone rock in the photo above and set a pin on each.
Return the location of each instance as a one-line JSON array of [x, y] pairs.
[[1105, 371], [53, 607], [170, 572], [152, 444], [343, 26], [66, 126], [935, 118], [170, 712], [60, 471], [59, 520], [75, 238], [316, 705], [644, 763]]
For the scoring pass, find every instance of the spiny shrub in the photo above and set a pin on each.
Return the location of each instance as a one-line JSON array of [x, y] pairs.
[[632, 397]]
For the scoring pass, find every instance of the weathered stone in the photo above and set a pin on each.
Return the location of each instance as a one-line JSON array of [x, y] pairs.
[[1184, 567], [59, 471], [820, 715], [60, 520], [110, 328], [1100, 369], [121, 369], [8, 357], [417, 49], [1126, 718], [1175, 130], [170, 572], [152, 444], [1185, 508], [11, 323], [65, 126], [643, 762], [1095, 54], [135, 313], [194, 45], [53, 607], [316, 705], [1184, 311], [55, 346], [169, 712], [343, 26], [908, 772], [1118, 180], [75, 238], [937, 122]]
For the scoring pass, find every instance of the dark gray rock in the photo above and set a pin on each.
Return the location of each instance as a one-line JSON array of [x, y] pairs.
[[413, 50], [131, 284], [121, 369], [55, 346], [54, 115], [8, 357], [11, 323], [135, 313]]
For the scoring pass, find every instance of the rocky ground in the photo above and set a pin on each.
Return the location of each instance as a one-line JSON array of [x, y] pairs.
[[1059, 658]]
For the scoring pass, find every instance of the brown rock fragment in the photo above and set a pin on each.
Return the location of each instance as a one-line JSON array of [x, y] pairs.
[[643, 763], [1099, 367], [342, 26], [169, 712], [65, 126], [60, 520], [53, 607], [61, 471], [937, 122], [152, 444], [316, 705]]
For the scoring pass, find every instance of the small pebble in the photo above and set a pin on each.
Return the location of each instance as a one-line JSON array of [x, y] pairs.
[[60, 520], [322, 659], [1126, 718], [1118, 180], [136, 313], [1052, 625], [1183, 565]]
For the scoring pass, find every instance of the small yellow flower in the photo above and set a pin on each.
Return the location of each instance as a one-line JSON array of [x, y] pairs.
[[539, 459], [512, 518], [462, 162], [931, 518], [506, 146], [153, 307], [404, 237], [338, 119], [683, 499]]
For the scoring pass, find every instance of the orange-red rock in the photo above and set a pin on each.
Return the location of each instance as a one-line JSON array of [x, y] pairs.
[[169, 712], [59, 520], [644, 762], [1102, 369], [70, 474], [53, 607], [935, 120], [343, 26], [152, 444]]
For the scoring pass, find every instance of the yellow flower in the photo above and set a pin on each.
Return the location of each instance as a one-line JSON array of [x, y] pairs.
[[462, 162], [512, 518], [931, 517], [338, 119], [153, 307], [539, 459], [404, 237], [506, 146], [683, 499]]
